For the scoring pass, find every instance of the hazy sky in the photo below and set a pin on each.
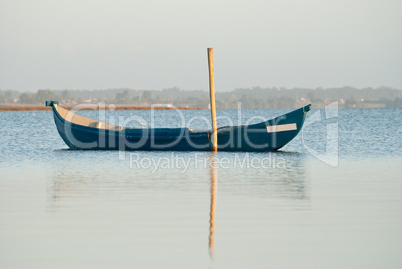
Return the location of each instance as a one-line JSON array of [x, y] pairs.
[[98, 44]]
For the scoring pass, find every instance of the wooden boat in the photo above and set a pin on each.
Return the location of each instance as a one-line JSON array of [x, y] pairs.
[[80, 132]]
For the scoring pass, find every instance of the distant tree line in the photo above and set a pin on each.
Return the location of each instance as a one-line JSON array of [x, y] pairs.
[[252, 98]]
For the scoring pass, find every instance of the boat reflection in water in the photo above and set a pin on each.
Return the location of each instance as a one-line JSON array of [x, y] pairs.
[[162, 214]]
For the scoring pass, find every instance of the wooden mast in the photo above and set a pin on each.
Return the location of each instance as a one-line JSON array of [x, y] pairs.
[[214, 139]]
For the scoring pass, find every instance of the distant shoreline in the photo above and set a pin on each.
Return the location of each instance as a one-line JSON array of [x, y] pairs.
[[94, 107], [124, 107]]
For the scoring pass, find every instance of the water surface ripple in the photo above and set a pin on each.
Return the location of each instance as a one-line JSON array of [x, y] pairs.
[[62, 208]]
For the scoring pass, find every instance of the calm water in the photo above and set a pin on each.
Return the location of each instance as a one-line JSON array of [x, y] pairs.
[[332, 198]]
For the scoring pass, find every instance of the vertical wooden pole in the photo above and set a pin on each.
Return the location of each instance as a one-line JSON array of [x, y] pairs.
[[212, 97]]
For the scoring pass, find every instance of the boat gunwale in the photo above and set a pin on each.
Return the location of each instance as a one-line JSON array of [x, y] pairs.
[[194, 134]]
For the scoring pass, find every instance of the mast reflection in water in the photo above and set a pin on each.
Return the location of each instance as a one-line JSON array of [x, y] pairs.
[[214, 185]]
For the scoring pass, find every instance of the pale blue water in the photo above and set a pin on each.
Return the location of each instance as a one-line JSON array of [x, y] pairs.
[[63, 208]]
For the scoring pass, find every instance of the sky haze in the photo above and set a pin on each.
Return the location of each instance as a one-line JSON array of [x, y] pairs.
[[70, 44]]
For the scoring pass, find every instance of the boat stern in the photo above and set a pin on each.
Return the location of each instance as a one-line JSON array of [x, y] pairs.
[[51, 103]]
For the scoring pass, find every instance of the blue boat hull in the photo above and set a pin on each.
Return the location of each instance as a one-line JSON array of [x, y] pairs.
[[270, 135]]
